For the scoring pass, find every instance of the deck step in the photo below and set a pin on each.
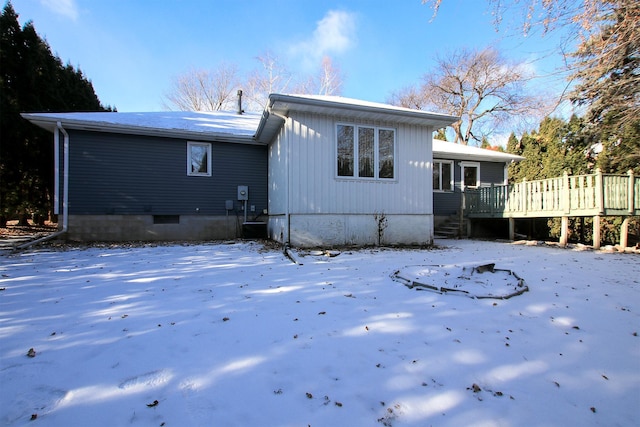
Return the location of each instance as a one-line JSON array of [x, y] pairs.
[[450, 229]]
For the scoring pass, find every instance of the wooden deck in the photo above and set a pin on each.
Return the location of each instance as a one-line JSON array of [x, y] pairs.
[[567, 196]]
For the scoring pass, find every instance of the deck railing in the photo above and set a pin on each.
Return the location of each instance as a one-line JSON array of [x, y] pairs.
[[565, 196]]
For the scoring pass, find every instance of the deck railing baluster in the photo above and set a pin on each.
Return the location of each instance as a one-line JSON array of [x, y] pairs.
[[577, 195]]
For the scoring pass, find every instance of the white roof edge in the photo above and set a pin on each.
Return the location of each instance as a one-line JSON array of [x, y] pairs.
[[359, 105], [449, 150], [80, 121]]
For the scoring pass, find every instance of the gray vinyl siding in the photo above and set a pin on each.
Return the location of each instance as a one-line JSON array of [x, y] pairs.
[[491, 173], [448, 202], [131, 175]]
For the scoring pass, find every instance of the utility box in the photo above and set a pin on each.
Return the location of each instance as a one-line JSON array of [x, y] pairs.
[[228, 204], [243, 192]]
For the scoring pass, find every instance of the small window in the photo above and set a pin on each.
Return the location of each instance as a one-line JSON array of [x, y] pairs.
[[198, 159], [365, 152], [166, 219], [442, 175], [470, 174]]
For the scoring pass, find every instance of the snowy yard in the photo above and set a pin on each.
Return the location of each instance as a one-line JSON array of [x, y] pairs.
[[238, 335]]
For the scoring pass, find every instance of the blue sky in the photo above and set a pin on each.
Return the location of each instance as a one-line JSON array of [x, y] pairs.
[[131, 49]]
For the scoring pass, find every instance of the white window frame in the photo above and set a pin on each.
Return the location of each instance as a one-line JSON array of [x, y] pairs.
[[451, 165], [470, 164], [376, 153], [205, 145]]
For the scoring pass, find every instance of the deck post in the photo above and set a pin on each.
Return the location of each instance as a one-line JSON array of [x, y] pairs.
[[523, 195], [624, 232], [631, 192], [599, 197], [596, 232], [512, 228], [566, 194], [492, 199], [564, 231], [463, 203]]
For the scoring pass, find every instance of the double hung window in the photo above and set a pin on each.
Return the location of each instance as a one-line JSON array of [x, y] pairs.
[[365, 152]]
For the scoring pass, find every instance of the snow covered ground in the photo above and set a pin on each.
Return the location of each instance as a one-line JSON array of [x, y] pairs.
[[238, 335]]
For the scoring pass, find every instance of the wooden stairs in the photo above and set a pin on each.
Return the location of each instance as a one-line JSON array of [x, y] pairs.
[[451, 228]]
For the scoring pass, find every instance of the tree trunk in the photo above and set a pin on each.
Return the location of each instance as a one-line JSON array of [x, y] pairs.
[[23, 220]]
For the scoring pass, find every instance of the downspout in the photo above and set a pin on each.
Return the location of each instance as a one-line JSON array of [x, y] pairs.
[[288, 196], [284, 135], [65, 184]]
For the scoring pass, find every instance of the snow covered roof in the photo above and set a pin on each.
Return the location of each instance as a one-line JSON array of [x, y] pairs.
[[449, 150], [218, 125], [232, 127], [356, 109]]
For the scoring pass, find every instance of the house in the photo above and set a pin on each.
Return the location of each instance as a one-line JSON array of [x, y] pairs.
[[457, 166], [316, 170]]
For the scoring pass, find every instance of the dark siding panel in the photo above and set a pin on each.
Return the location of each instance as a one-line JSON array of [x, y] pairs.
[[125, 174], [491, 173], [446, 203]]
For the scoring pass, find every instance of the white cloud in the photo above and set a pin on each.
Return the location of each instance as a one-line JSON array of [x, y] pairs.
[[334, 34], [66, 8]]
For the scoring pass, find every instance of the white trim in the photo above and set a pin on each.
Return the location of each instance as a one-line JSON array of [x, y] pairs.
[[451, 176], [473, 165], [206, 146], [376, 153]]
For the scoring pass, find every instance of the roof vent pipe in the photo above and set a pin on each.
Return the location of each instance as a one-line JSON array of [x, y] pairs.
[[240, 110]]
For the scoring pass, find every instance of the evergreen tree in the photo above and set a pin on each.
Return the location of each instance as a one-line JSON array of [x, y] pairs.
[[620, 148], [607, 64], [514, 147], [32, 79], [532, 147]]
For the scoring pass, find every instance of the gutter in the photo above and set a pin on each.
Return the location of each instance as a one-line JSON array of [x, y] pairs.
[[65, 184]]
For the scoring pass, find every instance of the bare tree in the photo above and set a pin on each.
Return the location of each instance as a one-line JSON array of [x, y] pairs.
[[271, 77], [606, 61], [274, 77], [481, 87], [331, 79], [202, 90], [544, 14]]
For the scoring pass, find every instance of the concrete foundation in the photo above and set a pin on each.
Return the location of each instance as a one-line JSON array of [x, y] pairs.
[[119, 228], [346, 229]]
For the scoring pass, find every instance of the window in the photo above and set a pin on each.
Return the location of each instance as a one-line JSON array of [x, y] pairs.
[[366, 152], [470, 174], [166, 219], [198, 159], [442, 175]]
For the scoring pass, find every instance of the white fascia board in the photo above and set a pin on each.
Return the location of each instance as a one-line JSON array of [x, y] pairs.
[[334, 105], [449, 150]]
